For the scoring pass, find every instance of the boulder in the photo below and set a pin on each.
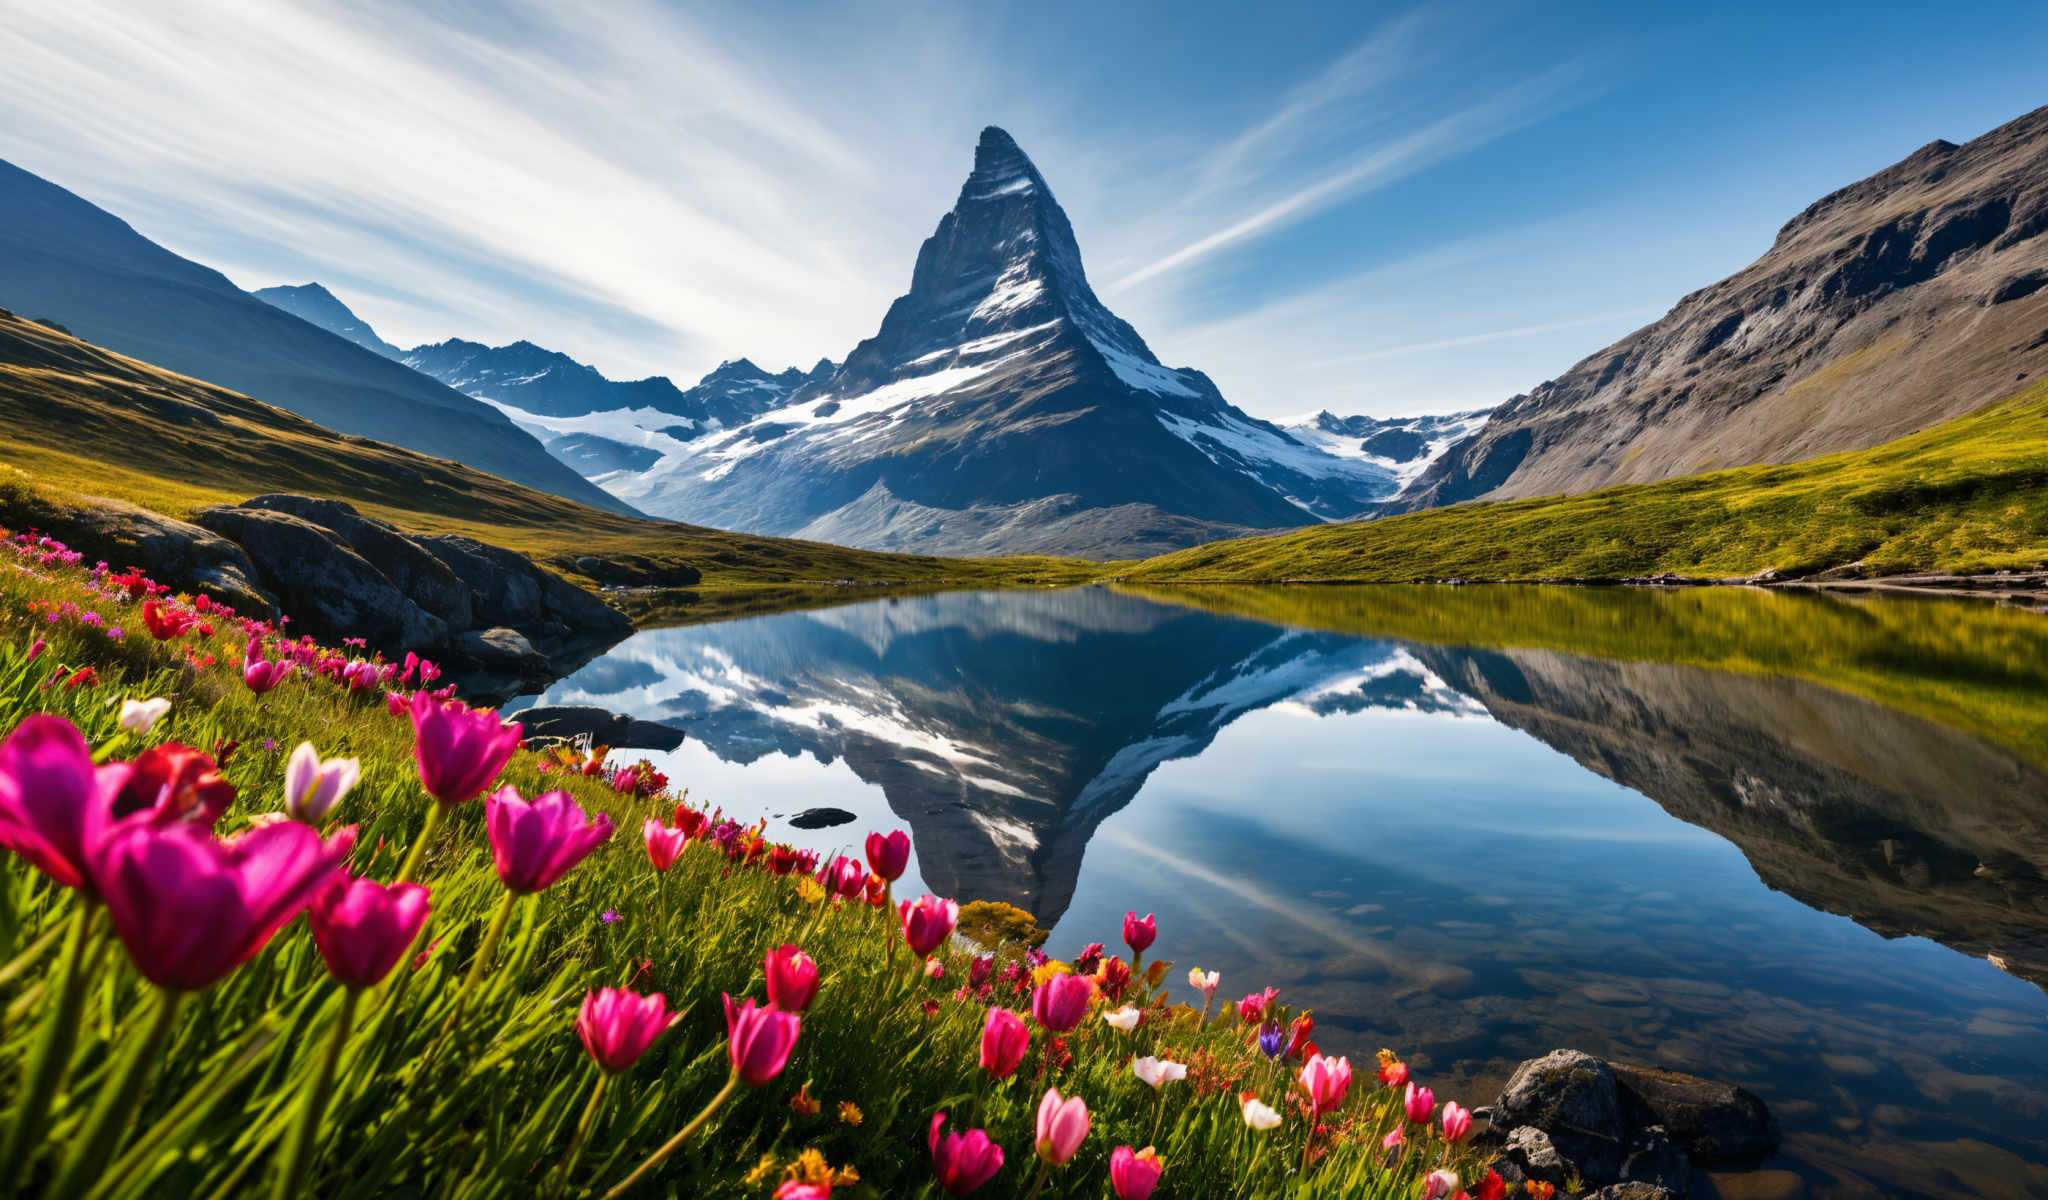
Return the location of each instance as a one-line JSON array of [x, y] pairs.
[[1717, 1124], [425, 580], [509, 589], [1572, 1097], [567, 722], [1528, 1154], [1653, 1158], [179, 553], [1634, 1189], [502, 649], [323, 583]]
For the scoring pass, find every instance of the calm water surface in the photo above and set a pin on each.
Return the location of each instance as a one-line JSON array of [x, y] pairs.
[[1552, 834]]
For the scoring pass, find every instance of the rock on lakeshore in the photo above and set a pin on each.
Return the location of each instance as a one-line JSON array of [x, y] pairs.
[[1629, 1133]]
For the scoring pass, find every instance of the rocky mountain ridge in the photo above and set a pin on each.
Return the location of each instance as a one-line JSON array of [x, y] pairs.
[[1908, 298]]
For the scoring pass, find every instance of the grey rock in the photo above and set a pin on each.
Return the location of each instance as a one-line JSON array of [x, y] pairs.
[[500, 648], [1716, 1123], [424, 579], [1529, 1154], [602, 726], [1571, 1096], [1652, 1157], [322, 582], [170, 551]]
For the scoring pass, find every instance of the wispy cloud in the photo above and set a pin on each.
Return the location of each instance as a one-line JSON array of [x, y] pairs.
[[1495, 335]]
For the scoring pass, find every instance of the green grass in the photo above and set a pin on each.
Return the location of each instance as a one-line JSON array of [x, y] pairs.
[[76, 420], [1978, 668], [1968, 495], [489, 1112]]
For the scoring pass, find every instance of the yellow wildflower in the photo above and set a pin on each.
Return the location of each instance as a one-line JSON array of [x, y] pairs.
[[849, 1112], [761, 1170], [1051, 970], [809, 890]]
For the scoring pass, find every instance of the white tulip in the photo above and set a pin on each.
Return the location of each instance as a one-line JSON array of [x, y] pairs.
[[1260, 1116], [140, 716], [312, 785], [1158, 1072], [1125, 1018]]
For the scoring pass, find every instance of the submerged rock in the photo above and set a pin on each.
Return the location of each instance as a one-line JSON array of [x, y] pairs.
[[822, 818], [567, 722], [1717, 1124]]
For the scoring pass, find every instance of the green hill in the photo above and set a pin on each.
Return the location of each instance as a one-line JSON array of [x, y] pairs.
[[1966, 496]]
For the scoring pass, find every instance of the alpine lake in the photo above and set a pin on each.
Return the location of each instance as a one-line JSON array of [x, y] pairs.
[[1793, 841]]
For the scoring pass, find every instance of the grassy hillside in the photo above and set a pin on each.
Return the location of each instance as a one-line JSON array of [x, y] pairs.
[[1982, 669], [1968, 495], [77, 419]]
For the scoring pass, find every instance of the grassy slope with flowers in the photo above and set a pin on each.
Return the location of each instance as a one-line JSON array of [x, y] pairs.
[[492, 1110], [79, 420]]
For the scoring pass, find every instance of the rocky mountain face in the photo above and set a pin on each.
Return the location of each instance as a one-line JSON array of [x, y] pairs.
[[1914, 296], [1002, 407], [1904, 826], [313, 303], [63, 259]]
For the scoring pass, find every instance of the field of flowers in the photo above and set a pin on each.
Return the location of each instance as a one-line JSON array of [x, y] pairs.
[[529, 972]]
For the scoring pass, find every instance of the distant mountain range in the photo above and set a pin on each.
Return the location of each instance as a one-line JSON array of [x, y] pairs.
[[1914, 296], [65, 260]]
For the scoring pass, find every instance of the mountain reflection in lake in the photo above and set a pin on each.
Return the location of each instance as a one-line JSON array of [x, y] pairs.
[[1448, 849]]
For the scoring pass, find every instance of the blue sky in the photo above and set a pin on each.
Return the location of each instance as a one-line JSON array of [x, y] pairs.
[[1365, 207]]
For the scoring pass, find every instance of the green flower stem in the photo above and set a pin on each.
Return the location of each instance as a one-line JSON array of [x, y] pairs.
[[582, 1133], [732, 1084], [298, 1153], [52, 1053], [484, 952], [1038, 1180], [116, 1103], [436, 813]]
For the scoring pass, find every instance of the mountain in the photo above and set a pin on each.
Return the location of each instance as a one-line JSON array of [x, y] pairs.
[[1002, 407], [313, 303], [1403, 446], [1914, 296], [63, 259]]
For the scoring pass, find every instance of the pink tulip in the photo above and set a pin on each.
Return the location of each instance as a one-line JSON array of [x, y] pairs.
[[663, 843], [1062, 1126], [889, 856], [792, 979], [844, 877], [618, 1026], [1252, 1009], [1457, 1121], [535, 843], [1061, 1003], [797, 1189], [190, 907], [1004, 1039], [460, 749], [1393, 1139], [36, 648], [963, 1161], [759, 1040], [1420, 1102], [53, 805], [1139, 935], [1327, 1081], [259, 675], [1134, 1175], [363, 927], [397, 703], [927, 922], [1439, 1184]]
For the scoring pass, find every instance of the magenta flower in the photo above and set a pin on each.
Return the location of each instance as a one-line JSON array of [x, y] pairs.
[[844, 878], [460, 749], [53, 805], [1134, 1175], [889, 855], [759, 1040], [927, 922], [536, 843], [1061, 1003], [190, 907], [363, 927], [1457, 1121], [1004, 1039], [963, 1161], [1420, 1102], [797, 1189], [1062, 1126], [792, 979], [261, 675], [1139, 935], [1327, 1080], [663, 843], [618, 1026]]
